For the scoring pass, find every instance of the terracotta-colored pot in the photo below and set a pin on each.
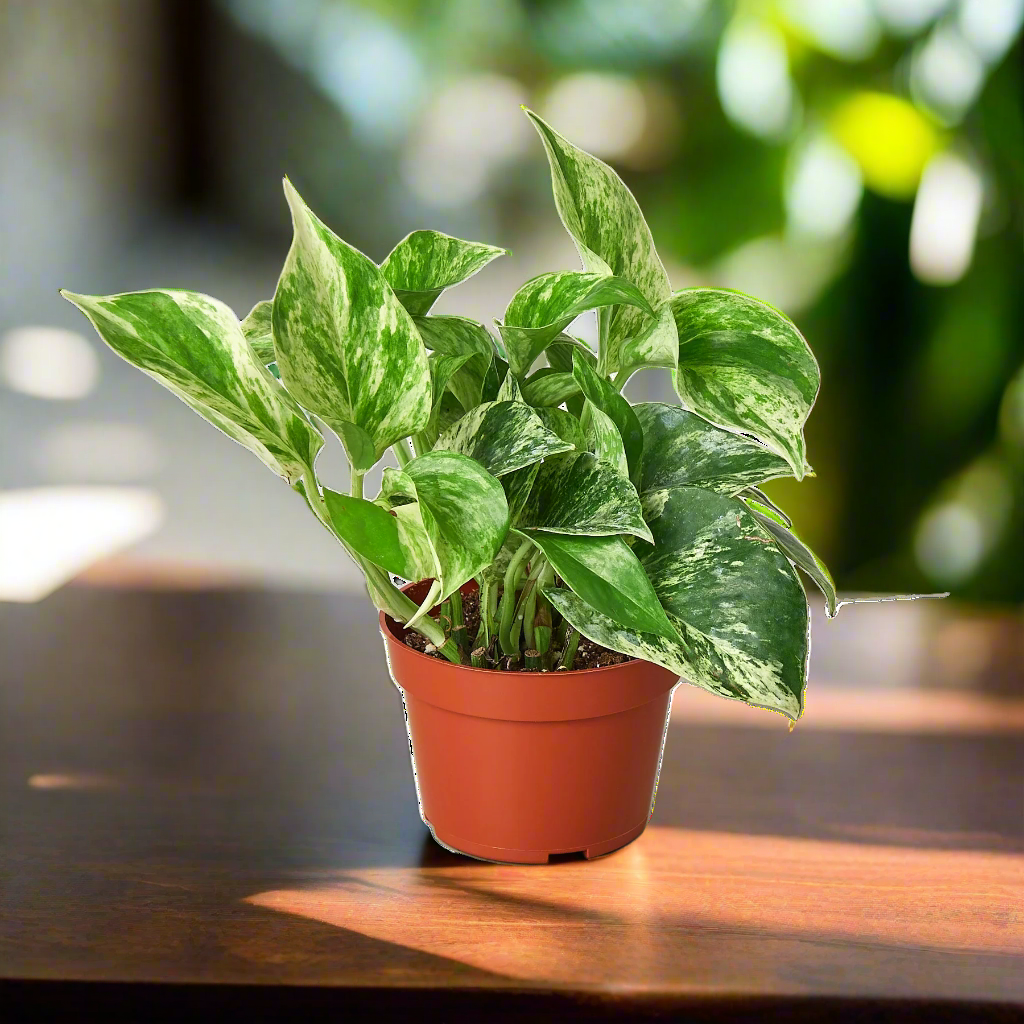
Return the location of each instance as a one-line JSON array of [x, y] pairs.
[[517, 766]]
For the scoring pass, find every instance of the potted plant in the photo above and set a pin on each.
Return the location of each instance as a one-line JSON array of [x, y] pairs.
[[568, 556]]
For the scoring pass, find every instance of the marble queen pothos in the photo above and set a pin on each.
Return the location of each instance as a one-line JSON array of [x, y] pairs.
[[641, 527]]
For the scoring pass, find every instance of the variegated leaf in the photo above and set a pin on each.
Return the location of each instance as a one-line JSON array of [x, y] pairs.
[[502, 437], [346, 347], [681, 448], [803, 557], [757, 499], [518, 485], [736, 599], [559, 352], [604, 439], [455, 336], [581, 495], [397, 543], [602, 216], [425, 263], [547, 304], [509, 390], [194, 346], [564, 424], [259, 331], [612, 404], [657, 344], [605, 573], [549, 387], [442, 369], [745, 366], [463, 510]]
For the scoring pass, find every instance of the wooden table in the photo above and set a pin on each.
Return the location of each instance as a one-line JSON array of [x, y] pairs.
[[207, 806]]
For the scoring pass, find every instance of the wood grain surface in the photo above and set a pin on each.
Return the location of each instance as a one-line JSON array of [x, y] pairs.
[[207, 806]]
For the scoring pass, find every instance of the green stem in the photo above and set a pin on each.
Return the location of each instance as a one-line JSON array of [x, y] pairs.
[[569, 654], [459, 632], [401, 450], [419, 445], [508, 598], [356, 488]]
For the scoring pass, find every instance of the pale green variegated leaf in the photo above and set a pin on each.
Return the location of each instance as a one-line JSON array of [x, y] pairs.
[[745, 366], [518, 485], [803, 557], [194, 346], [548, 303], [657, 344], [579, 494], [495, 376], [509, 390], [549, 387], [463, 510], [398, 544], [681, 448], [564, 424], [495, 571], [736, 599], [442, 369], [604, 439], [502, 437], [425, 263], [559, 352], [607, 575], [616, 408], [605, 221], [456, 336], [346, 347], [258, 329]]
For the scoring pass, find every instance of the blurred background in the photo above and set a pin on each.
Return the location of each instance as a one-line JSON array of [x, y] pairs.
[[858, 163]]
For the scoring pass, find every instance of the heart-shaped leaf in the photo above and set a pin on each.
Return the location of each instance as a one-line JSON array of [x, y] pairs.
[[547, 304], [610, 232], [605, 573], [657, 344], [681, 448], [259, 332], [194, 346], [346, 347], [745, 366], [425, 263], [463, 510], [397, 543], [502, 437], [509, 390], [616, 408], [564, 424], [579, 494]]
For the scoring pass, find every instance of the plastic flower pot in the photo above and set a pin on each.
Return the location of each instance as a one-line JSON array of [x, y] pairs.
[[517, 767]]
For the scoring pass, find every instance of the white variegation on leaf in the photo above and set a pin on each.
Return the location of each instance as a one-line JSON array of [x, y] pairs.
[[259, 330], [681, 448], [346, 347], [744, 366], [605, 221], [548, 303], [194, 346], [581, 495], [604, 439], [425, 263], [463, 510], [502, 437]]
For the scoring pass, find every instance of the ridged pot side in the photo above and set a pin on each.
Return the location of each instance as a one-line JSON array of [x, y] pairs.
[[517, 766]]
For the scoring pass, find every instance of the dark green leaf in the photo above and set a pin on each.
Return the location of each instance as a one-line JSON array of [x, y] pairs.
[[681, 448], [606, 574]]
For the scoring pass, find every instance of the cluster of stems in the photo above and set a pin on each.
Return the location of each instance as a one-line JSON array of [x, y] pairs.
[[516, 623]]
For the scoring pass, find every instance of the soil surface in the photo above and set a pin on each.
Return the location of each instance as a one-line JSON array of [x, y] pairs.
[[588, 654]]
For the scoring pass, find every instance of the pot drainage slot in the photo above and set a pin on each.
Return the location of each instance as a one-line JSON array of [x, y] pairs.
[[561, 858]]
